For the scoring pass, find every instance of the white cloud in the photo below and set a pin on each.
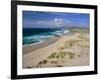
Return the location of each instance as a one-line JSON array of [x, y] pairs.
[[54, 23], [58, 20]]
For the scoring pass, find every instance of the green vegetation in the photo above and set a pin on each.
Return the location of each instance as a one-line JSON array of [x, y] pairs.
[[60, 55], [53, 62], [53, 55], [68, 44], [78, 30], [42, 62], [71, 55], [86, 45], [82, 37], [57, 55], [85, 40]]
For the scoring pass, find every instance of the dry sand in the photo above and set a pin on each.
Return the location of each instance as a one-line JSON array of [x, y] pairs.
[[75, 53]]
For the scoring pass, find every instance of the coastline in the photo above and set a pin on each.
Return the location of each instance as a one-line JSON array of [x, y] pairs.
[[34, 55], [32, 47]]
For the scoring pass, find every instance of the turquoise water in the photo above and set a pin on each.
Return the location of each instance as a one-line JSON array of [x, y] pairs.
[[38, 35]]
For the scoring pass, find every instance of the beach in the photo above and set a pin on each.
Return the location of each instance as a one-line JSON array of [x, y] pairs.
[[58, 51], [32, 47]]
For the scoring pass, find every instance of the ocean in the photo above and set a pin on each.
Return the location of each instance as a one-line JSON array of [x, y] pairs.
[[39, 35]]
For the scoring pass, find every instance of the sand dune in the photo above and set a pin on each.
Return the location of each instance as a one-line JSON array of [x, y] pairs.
[[70, 50]]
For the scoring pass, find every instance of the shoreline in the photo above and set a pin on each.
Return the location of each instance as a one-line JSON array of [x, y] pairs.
[[72, 54], [49, 41], [31, 47]]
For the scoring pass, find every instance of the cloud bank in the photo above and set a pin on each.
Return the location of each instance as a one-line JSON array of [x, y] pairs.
[[54, 23]]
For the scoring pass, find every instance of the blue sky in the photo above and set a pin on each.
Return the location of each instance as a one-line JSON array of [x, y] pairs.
[[34, 19]]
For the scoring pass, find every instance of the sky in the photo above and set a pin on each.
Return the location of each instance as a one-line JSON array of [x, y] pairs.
[[36, 19]]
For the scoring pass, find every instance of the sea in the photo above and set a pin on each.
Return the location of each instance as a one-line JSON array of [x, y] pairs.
[[39, 35]]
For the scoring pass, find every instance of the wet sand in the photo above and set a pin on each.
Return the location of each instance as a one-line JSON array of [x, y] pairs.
[[32, 47]]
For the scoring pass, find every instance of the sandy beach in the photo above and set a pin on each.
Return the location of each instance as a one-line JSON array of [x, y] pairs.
[[32, 47], [62, 51]]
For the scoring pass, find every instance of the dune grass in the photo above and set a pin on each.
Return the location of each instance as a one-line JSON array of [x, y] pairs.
[[58, 56], [78, 30], [80, 41], [82, 37], [72, 42], [85, 46], [84, 41], [42, 62], [68, 44], [61, 55], [53, 61]]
